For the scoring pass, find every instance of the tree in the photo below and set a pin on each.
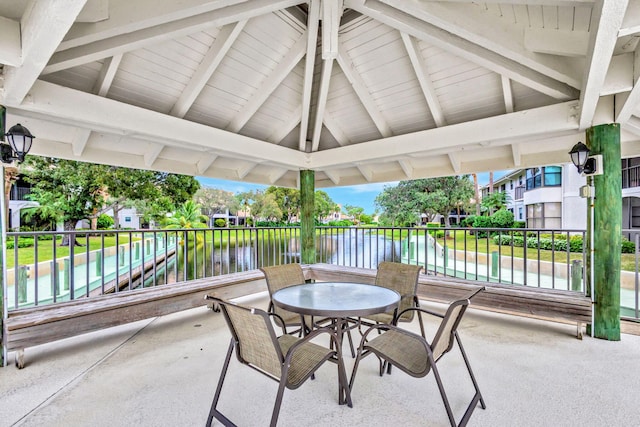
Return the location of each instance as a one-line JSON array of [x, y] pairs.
[[429, 196], [72, 190], [494, 201], [288, 200], [187, 216], [323, 205], [265, 206], [476, 188], [214, 200], [354, 212]]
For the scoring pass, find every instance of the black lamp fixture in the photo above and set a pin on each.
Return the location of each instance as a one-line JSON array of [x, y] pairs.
[[20, 140], [580, 158]]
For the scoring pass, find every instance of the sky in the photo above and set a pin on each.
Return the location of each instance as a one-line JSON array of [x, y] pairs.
[[356, 195]]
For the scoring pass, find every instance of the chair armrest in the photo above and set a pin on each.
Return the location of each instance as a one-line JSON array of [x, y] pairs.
[[282, 325], [418, 309], [309, 337]]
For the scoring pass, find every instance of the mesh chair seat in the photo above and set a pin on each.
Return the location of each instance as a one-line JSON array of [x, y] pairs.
[[416, 356], [287, 359]]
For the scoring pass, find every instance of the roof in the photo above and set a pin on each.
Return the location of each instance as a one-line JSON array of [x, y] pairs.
[[359, 91]]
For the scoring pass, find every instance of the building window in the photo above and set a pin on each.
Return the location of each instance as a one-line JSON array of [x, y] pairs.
[[544, 215], [127, 219], [631, 172], [511, 185], [549, 176], [520, 213]]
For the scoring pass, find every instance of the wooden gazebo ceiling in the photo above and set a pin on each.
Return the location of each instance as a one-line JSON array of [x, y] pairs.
[[359, 91]]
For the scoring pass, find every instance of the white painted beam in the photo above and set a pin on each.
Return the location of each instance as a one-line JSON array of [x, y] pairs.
[[516, 153], [107, 74], [366, 171], [331, 14], [218, 49], [244, 170], [94, 11], [93, 112], [333, 175], [508, 94], [124, 19], [289, 124], [276, 175], [275, 78], [359, 87], [406, 168], [631, 21], [606, 20], [619, 77], [309, 64], [153, 153], [321, 103], [205, 163], [79, 142], [556, 42], [332, 126], [509, 127], [148, 36], [559, 3], [43, 26], [423, 78], [455, 162], [484, 33], [10, 47], [626, 104]]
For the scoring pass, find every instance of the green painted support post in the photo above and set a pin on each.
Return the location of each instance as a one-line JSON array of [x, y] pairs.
[[67, 274], [607, 231], [55, 278], [445, 257], [98, 263], [137, 253], [494, 263], [148, 243], [22, 283], [121, 253], [576, 275], [3, 243], [307, 220]]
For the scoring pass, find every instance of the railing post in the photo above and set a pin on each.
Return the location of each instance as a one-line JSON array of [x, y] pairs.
[[22, 283], [494, 263], [576, 275]]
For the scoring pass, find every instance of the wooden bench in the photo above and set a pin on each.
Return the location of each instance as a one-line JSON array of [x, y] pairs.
[[548, 304], [38, 325]]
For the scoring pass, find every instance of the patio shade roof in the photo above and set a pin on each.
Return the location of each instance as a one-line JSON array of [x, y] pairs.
[[359, 91]]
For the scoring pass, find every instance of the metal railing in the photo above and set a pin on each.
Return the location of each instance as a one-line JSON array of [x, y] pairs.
[[110, 261]]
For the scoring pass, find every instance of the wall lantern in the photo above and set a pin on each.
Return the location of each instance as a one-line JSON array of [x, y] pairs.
[[20, 140], [580, 157]]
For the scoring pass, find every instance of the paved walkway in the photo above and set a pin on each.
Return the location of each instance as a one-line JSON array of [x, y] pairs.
[[163, 371]]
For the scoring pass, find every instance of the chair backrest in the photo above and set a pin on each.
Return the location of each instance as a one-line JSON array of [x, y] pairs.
[[445, 335], [255, 340], [282, 276], [402, 278], [279, 277]]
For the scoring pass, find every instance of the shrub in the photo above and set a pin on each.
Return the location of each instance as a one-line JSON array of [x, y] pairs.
[[104, 222], [219, 223], [628, 247], [502, 219], [468, 221], [340, 223], [482, 222], [519, 224]]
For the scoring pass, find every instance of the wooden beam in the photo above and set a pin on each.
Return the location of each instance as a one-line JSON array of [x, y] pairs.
[[218, 49], [321, 103], [606, 20], [107, 74], [333, 175], [508, 94], [123, 43], [42, 29], [332, 126], [455, 162], [406, 168], [244, 170], [10, 47], [366, 171], [516, 154], [509, 127], [80, 138], [289, 124], [626, 104], [93, 112], [631, 22], [276, 175], [471, 51], [307, 217], [331, 14], [359, 87], [423, 78], [275, 78], [205, 163], [492, 34], [558, 3], [556, 42], [312, 41], [151, 155]]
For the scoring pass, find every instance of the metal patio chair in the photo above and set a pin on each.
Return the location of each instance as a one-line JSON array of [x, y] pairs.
[[283, 276], [287, 359], [402, 278], [416, 356]]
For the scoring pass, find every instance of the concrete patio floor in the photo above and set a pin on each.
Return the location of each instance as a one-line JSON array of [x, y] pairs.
[[163, 372]]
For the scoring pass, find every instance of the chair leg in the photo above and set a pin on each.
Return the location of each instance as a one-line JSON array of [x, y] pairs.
[[278, 404], [473, 377], [436, 374], [213, 412]]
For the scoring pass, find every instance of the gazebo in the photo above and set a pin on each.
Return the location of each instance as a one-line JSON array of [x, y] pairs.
[[326, 93]]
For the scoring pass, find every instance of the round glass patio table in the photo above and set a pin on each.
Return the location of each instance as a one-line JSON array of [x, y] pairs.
[[336, 299], [339, 301]]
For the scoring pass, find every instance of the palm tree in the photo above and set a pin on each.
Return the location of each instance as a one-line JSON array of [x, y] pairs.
[[189, 216]]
